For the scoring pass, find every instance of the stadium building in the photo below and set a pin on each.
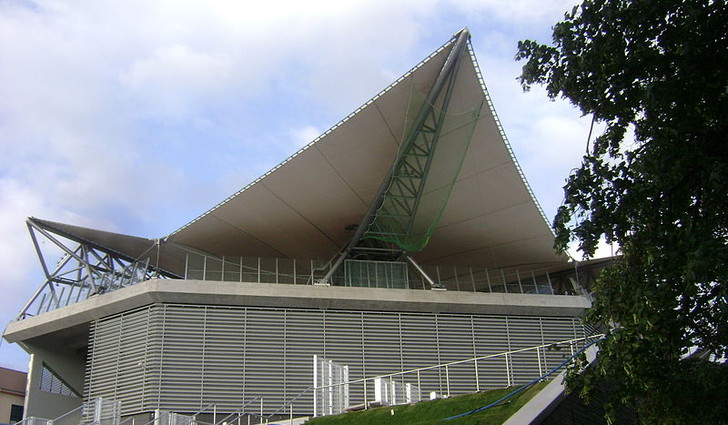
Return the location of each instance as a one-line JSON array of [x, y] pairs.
[[403, 237]]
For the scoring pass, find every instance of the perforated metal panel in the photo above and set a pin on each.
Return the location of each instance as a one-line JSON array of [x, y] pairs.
[[184, 357]]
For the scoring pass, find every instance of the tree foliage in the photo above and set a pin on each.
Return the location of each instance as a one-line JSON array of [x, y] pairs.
[[654, 74]]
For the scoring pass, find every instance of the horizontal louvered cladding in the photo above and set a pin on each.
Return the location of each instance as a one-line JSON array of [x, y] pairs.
[[524, 333], [184, 357], [559, 330], [455, 339], [343, 337], [119, 354]]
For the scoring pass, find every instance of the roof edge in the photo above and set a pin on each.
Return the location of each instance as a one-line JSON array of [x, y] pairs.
[[325, 133], [502, 133]]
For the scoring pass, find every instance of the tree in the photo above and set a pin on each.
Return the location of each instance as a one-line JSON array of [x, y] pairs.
[[654, 74]]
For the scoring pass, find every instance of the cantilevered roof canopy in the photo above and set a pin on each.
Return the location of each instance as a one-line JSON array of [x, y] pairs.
[[307, 206], [303, 207], [167, 257]]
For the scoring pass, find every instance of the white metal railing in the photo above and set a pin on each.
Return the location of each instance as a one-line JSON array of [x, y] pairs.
[[32, 420], [389, 391], [165, 417], [408, 386], [103, 411], [331, 394], [73, 417], [293, 271], [97, 412]]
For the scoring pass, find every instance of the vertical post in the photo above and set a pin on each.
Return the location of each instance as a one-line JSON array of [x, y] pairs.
[[295, 281], [345, 387], [518, 277], [240, 280], [379, 390], [366, 404], [259, 275], [329, 381], [393, 390], [311, 268], [214, 413], [551, 286], [204, 267], [419, 386], [509, 378], [538, 357], [187, 265], [477, 378], [315, 385], [472, 278], [447, 379], [261, 404], [97, 409], [369, 278]]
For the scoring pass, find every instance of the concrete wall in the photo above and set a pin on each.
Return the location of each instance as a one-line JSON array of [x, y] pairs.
[[67, 364]]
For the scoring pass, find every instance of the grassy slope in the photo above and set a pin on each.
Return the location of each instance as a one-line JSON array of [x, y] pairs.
[[434, 412]]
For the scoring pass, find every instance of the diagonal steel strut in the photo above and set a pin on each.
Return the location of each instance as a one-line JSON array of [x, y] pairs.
[[413, 145]]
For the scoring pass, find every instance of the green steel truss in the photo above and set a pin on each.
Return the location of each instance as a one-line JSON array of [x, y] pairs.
[[393, 221], [396, 223]]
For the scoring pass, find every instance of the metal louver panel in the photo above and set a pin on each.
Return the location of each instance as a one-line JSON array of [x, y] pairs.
[[184, 357]]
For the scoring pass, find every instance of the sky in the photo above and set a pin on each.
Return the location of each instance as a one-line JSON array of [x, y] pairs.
[[137, 116]]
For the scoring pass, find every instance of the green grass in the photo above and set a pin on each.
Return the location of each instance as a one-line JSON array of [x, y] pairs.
[[434, 412]]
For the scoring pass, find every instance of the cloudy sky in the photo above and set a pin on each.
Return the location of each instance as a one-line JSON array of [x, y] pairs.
[[136, 116]]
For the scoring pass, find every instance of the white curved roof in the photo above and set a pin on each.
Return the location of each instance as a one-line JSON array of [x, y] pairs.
[[302, 208]]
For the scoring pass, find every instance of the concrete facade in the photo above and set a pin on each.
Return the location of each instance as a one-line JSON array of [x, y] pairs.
[[294, 296], [220, 342], [62, 357]]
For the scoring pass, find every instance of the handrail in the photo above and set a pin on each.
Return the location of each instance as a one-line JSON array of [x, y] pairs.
[[524, 386], [472, 359], [299, 395], [237, 411], [70, 412], [129, 419], [199, 412], [30, 419]]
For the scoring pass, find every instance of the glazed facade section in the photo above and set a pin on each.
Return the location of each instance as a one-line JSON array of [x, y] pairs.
[[184, 357]]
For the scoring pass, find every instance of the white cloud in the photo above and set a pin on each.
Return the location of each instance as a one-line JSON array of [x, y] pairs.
[[518, 13], [303, 136], [175, 76], [604, 250]]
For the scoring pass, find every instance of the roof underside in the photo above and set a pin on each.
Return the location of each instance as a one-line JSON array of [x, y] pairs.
[[303, 207]]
